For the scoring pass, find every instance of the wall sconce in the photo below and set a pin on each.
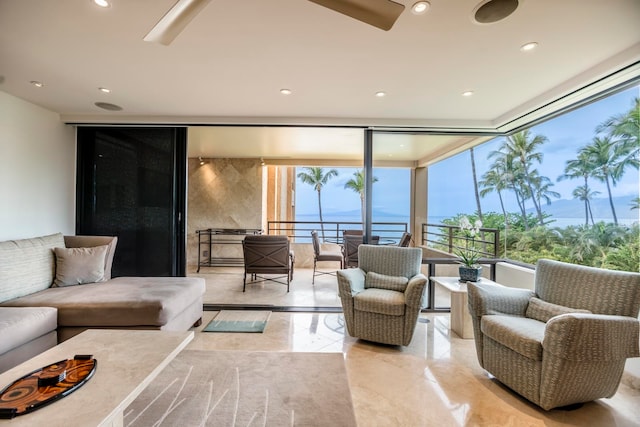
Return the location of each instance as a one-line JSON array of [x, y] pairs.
[[202, 162], [261, 161]]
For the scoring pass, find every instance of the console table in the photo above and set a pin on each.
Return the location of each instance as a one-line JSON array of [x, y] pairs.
[[209, 238]]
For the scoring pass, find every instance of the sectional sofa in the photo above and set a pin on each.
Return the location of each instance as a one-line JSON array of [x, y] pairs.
[[54, 287]]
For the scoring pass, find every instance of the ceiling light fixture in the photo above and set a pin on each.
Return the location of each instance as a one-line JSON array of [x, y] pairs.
[[107, 106], [381, 94], [285, 91], [491, 11], [36, 83], [467, 93], [420, 7], [104, 90], [528, 46], [101, 3]]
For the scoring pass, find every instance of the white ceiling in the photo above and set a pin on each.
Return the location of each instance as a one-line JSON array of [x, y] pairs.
[[231, 61]]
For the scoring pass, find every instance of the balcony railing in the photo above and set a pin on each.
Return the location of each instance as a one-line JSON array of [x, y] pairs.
[[448, 238], [300, 231]]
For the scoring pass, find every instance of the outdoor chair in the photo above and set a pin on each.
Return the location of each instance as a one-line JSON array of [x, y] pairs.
[[323, 255], [267, 255], [350, 244], [566, 343], [382, 298], [405, 240]]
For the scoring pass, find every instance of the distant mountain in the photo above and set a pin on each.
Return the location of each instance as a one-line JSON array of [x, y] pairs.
[[352, 213], [574, 208]]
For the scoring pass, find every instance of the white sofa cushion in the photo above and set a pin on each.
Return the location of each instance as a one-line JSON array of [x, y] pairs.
[[28, 265]]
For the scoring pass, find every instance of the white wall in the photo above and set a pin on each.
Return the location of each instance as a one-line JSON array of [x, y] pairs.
[[37, 171]]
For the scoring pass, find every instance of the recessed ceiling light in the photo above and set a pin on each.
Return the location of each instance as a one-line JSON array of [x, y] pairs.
[[104, 90], [420, 7], [36, 83], [467, 93], [528, 46], [101, 3], [285, 91], [381, 94]]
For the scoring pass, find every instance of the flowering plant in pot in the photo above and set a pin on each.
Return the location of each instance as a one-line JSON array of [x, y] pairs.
[[469, 269]]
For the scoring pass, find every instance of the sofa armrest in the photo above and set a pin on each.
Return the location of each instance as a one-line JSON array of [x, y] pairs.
[[414, 294], [350, 282], [93, 241], [491, 299], [592, 337]]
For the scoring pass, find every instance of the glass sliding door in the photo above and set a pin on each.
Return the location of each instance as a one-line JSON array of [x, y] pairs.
[[131, 184]]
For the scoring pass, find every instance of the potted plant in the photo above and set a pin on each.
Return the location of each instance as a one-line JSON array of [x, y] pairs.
[[469, 269]]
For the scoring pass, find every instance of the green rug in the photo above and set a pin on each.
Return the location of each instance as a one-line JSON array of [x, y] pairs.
[[238, 321]]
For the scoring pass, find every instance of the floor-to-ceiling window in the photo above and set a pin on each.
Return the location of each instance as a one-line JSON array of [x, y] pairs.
[[566, 189]]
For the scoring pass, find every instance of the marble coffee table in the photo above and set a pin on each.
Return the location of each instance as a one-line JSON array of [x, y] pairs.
[[127, 361]]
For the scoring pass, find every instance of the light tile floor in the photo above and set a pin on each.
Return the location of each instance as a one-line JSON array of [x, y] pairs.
[[435, 381], [224, 286]]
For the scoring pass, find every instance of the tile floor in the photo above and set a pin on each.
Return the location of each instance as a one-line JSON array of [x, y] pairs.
[[435, 381], [224, 286]]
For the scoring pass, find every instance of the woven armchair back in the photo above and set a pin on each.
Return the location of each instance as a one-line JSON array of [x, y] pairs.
[[390, 260], [595, 289]]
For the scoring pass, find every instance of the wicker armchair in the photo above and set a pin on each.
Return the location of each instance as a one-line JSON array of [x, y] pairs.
[[382, 298], [267, 255], [564, 344]]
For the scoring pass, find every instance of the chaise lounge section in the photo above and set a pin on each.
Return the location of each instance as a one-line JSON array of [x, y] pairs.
[[31, 296]]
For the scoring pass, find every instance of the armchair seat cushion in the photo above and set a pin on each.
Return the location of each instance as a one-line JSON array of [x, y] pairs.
[[381, 301], [520, 334]]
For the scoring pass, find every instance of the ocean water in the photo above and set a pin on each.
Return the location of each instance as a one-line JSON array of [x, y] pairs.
[[332, 231]]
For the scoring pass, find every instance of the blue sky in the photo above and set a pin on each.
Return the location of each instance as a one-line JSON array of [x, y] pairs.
[[566, 135]]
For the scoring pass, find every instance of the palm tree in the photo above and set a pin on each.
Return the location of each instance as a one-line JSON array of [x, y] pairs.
[[317, 178], [522, 147], [635, 203], [625, 128], [512, 175], [542, 187], [357, 184], [584, 193], [607, 163], [581, 168], [475, 183], [494, 180]]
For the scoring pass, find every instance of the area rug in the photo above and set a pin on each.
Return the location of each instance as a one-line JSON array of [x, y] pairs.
[[238, 321], [243, 388]]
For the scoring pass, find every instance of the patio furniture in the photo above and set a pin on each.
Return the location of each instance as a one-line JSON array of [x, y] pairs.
[[564, 344], [350, 244], [265, 254], [382, 298], [323, 255], [405, 240]]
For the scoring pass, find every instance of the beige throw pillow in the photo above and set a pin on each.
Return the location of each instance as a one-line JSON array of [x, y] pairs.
[[78, 266], [543, 311], [381, 281]]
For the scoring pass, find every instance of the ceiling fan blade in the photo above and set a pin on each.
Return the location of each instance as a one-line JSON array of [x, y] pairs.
[[379, 13], [175, 20]]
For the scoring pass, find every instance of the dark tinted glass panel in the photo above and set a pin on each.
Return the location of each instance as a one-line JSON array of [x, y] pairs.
[[131, 185]]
